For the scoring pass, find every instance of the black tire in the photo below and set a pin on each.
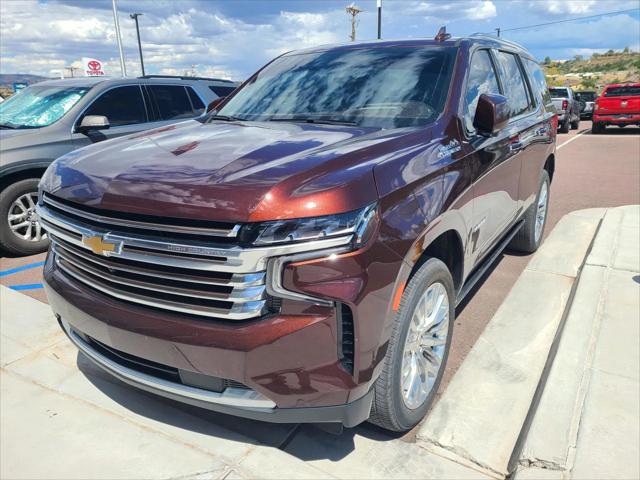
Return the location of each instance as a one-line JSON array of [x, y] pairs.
[[575, 124], [596, 128], [8, 240], [525, 240], [389, 410], [564, 126]]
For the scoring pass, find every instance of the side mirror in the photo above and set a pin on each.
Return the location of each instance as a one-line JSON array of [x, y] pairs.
[[492, 114], [93, 122], [215, 103]]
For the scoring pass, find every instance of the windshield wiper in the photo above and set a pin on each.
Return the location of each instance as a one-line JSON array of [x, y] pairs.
[[226, 118], [314, 120]]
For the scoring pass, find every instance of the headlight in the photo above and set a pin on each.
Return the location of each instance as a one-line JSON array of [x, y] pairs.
[[359, 223]]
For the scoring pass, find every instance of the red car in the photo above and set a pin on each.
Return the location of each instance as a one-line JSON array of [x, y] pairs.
[[618, 104]]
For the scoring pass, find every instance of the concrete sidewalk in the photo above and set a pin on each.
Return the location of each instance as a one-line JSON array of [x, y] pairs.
[[587, 422], [61, 417], [550, 390]]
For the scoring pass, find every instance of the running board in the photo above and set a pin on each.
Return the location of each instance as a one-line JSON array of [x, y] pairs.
[[487, 263]]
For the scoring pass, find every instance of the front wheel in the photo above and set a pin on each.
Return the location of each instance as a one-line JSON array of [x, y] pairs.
[[529, 237], [417, 351], [20, 231]]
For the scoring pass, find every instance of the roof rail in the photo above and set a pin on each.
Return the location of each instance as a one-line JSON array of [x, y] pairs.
[[489, 36], [186, 77]]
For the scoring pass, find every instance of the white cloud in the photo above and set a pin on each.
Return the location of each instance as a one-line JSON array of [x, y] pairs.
[[220, 39], [565, 6]]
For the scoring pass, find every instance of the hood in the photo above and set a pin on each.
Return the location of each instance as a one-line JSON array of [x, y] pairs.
[[222, 171], [8, 134]]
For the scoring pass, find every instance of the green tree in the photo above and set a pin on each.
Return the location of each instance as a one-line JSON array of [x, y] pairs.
[[547, 60], [626, 50], [588, 83], [578, 58]]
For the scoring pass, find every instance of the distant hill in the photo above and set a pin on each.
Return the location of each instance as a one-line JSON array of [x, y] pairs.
[[8, 79], [594, 72]]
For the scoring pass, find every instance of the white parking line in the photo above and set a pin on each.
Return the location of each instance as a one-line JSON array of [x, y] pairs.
[[572, 139]]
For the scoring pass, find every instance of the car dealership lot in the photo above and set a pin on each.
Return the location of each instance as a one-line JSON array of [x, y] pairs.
[[591, 171]]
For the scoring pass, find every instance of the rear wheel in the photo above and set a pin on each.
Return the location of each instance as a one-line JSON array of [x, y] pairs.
[[417, 351], [529, 237], [575, 124], [564, 126], [597, 128], [20, 232]]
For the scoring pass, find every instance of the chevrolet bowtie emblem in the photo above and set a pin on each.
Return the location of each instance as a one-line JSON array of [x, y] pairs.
[[98, 245]]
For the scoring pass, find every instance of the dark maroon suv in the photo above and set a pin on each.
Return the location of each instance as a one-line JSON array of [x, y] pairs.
[[297, 255]]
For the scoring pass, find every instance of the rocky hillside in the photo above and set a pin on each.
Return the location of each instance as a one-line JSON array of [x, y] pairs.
[[595, 72]]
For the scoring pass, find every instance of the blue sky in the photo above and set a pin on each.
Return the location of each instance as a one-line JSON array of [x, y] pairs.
[[232, 38]]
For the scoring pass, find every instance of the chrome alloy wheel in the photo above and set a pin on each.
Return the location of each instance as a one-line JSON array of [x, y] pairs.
[[541, 210], [23, 220], [425, 345]]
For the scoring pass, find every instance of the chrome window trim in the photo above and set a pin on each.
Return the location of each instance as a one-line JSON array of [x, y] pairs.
[[100, 94], [236, 397]]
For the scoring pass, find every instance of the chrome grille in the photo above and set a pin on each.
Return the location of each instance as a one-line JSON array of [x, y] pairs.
[[163, 267]]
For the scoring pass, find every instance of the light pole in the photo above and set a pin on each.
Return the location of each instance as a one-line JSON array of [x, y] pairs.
[[135, 17], [123, 68], [379, 19]]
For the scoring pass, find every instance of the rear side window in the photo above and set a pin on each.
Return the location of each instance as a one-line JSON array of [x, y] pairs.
[[482, 79], [198, 106], [538, 82], [514, 84], [121, 105], [627, 90], [221, 91], [559, 93], [172, 101]]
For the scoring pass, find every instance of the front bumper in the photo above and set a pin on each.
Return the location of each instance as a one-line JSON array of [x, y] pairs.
[[232, 401], [292, 360]]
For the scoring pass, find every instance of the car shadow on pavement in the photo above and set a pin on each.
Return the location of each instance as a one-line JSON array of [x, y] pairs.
[[306, 442]]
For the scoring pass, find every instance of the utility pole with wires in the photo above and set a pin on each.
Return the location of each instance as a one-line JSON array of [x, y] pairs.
[[353, 11], [498, 31]]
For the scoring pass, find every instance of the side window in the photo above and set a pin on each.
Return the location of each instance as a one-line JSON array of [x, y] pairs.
[[198, 106], [121, 105], [482, 79], [514, 85], [172, 101], [221, 91], [538, 82]]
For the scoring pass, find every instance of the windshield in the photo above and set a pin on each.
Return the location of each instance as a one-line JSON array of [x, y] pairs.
[[558, 92], [39, 106], [378, 87], [630, 90]]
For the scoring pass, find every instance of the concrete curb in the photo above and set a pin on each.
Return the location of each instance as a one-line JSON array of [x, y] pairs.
[[598, 353], [480, 417]]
